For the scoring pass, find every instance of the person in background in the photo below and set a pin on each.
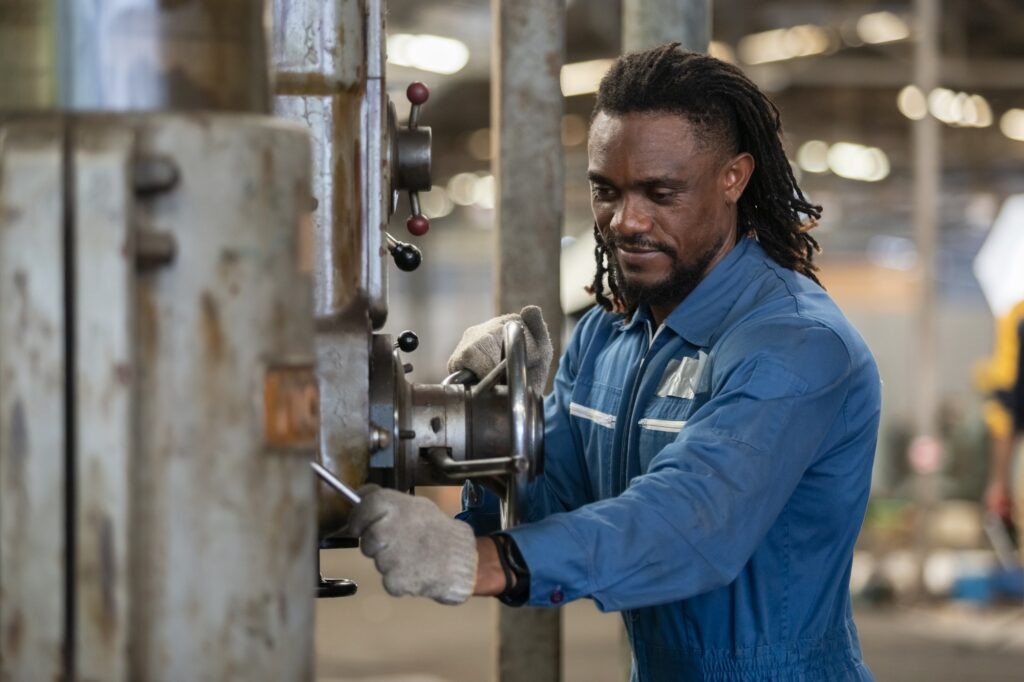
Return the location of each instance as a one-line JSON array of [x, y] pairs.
[[1002, 378]]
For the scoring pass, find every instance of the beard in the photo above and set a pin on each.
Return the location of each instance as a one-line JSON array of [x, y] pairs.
[[682, 279]]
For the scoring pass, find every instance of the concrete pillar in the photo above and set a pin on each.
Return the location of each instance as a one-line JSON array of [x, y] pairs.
[[526, 115], [649, 23]]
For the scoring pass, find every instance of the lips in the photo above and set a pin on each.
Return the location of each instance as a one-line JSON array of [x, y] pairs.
[[632, 256]]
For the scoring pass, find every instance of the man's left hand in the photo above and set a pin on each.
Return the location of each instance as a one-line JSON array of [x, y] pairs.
[[417, 548]]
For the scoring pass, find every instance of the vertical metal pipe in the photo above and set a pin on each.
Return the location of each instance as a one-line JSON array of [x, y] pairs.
[[134, 55], [648, 23], [526, 114], [28, 68], [927, 154]]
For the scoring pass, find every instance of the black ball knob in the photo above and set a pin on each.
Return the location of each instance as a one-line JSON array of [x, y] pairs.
[[408, 341], [407, 257]]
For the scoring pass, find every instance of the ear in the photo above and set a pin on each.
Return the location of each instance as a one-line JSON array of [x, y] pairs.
[[735, 174]]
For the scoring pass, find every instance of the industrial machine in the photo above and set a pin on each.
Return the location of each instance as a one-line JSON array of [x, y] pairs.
[[374, 425], [191, 297]]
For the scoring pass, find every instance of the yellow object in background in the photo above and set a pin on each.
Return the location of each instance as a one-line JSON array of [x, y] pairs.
[[999, 372]]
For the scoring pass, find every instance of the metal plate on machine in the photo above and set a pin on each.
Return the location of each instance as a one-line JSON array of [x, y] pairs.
[[291, 408]]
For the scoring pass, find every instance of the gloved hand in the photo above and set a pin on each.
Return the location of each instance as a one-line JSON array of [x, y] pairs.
[[480, 347], [417, 548]]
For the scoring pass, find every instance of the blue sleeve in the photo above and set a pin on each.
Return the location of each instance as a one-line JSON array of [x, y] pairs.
[[565, 484], [696, 517]]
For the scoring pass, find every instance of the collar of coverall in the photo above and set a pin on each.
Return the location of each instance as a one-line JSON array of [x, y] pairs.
[[701, 313]]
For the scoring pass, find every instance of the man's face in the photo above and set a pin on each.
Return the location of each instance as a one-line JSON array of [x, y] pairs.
[[665, 203]]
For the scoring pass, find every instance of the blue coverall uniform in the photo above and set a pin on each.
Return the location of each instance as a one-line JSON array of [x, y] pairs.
[[709, 478]]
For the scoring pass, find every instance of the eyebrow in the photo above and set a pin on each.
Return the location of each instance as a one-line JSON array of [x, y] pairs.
[[659, 181]]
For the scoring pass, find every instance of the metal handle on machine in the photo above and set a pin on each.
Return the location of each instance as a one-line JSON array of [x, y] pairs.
[[475, 468], [418, 224], [336, 483]]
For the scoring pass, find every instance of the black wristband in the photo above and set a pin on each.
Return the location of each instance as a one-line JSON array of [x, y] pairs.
[[512, 564]]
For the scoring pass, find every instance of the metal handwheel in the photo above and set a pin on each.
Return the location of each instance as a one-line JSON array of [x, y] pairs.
[[526, 433], [490, 431]]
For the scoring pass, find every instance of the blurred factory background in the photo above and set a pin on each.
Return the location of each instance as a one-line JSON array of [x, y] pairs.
[[841, 73], [159, 405]]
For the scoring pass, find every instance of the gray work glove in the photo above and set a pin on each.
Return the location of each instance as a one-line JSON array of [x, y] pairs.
[[480, 347], [417, 548]]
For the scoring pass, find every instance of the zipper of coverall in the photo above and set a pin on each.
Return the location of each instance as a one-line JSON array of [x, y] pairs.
[[624, 468]]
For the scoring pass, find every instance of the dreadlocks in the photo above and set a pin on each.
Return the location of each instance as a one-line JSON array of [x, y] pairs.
[[731, 114]]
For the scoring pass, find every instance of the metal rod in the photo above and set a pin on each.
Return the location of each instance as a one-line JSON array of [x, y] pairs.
[[336, 483], [474, 468]]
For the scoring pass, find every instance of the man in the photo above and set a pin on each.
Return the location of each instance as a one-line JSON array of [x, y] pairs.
[[711, 431]]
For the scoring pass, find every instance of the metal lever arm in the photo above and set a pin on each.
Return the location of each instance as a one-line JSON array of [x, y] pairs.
[[474, 468]]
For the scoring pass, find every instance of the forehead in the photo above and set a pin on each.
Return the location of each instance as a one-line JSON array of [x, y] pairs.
[[645, 144]]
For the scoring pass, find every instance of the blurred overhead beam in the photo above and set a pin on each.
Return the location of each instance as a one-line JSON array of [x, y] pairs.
[[865, 72]]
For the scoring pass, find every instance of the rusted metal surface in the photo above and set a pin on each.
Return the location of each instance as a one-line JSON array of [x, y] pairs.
[[291, 407], [32, 385], [135, 55], [330, 65], [223, 547], [104, 271], [649, 23], [28, 54], [526, 112], [319, 46]]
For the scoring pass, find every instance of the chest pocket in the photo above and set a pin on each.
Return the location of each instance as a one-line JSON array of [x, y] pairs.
[[682, 386], [592, 410], [660, 427]]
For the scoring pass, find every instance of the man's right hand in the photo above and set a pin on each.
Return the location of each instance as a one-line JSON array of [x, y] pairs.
[[480, 348]]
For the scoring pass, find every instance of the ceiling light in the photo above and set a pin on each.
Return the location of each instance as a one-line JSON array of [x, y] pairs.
[[784, 43], [1012, 124], [478, 144], [582, 78], [912, 103], [462, 188], [427, 52], [723, 51], [483, 191], [813, 156], [858, 162], [882, 27], [959, 108], [436, 203], [984, 119]]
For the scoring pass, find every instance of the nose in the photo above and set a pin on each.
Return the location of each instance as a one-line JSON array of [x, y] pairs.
[[630, 218]]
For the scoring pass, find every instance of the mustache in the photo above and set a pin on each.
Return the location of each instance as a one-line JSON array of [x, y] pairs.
[[612, 242]]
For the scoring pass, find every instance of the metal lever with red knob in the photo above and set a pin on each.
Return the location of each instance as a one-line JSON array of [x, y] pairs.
[[418, 94]]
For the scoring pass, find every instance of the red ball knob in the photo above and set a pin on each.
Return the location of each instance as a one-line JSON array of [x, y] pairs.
[[417, 92], [417, 225]]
